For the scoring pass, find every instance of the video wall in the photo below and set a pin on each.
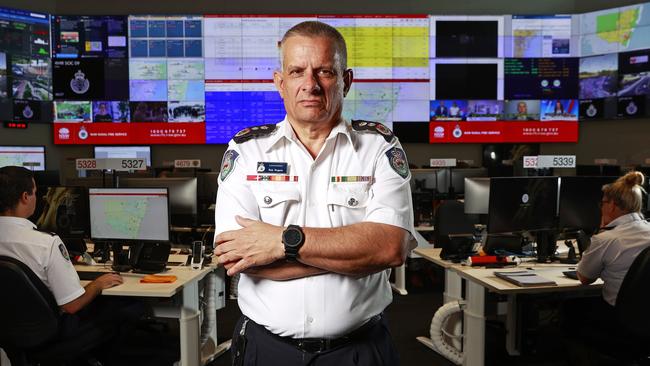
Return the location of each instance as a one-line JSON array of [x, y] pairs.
[[25, 66], [199, 79]]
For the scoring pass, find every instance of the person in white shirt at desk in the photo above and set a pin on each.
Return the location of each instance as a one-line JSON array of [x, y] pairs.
[[624, 234], [46, 255]]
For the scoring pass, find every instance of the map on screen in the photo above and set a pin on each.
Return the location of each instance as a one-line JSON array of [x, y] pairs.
[[614, 30], [135, 214], [30, 157]]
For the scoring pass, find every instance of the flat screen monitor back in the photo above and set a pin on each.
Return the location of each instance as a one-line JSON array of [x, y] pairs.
[[47, 178], [182, 196], [90, 182], [579, 203], [458, 177], [522, 204], [430, 179], [477, 195]]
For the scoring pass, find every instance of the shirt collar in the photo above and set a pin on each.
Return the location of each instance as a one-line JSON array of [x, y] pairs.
[[286, 132], [625, 219], [13, 220]]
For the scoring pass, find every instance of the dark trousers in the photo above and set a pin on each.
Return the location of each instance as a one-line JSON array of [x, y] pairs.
[[106, 317], [373, 348]]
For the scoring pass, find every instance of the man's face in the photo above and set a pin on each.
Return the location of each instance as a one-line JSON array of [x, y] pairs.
[[522, 108], [311, 82]]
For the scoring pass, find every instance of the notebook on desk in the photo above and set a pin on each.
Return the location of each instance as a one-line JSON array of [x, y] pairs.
[[524, 278]]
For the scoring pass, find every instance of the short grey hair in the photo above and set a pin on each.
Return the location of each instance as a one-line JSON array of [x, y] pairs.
[[315, 29]]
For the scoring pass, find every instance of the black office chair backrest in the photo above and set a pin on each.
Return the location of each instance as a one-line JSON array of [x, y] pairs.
[[29, 315], [450, 218], [633, 300]]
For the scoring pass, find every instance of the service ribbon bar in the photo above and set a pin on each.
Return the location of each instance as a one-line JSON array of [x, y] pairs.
[[352, 178], [272, 178]]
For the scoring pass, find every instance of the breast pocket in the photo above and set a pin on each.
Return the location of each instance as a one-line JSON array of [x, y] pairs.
[[347, 202], [276, 203]]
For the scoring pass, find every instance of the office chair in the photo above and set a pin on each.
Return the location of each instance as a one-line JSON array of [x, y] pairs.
[[450, 219], [632, 304], [30, 330]]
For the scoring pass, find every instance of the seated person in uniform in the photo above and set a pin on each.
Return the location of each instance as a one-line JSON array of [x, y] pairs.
[[46, 255], [624, 234]]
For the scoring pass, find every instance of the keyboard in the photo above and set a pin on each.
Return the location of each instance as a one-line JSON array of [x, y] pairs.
[[90, 275], [571, 274]]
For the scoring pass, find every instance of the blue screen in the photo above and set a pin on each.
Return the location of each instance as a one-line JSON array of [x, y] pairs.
[[157, 49], [193, 28], [138, 28], [193, 48], [229, 112], [175, 48], [156, 28], [139, 48], [174, 28]]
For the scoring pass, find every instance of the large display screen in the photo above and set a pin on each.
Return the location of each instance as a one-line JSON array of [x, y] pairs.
[[200, 79], [25, 66], [615, 30], [541, 36], [634, 73], [89, 65], [541, 78], [598, 76], [166, 69], [389, 56]]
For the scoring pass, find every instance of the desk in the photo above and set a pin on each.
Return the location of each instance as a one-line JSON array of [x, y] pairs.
[[480, 280], [186, 307]]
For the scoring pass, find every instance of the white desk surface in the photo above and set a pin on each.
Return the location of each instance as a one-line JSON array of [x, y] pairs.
[[133, 287], [487, 278], [433, 254]]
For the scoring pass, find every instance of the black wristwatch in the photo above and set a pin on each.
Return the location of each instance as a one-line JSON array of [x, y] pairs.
[[293, 238]]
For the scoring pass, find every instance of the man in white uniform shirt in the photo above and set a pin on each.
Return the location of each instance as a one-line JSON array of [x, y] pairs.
[[46, 255], [313, 212]]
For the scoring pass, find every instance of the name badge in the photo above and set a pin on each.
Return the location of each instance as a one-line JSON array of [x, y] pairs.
[[264, 167]]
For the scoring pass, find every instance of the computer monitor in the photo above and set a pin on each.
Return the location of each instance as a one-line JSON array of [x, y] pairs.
[[598, 170], [522, 204], [579, 203], [430, 179], [477, 195], [207, 195], [47, 178], [62, 210], [182, 196], [30, 157], [130, 214], [458, 177], [131, 152], [90, 182]]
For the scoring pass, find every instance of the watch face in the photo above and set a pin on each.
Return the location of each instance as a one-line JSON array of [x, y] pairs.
[[292, 237]]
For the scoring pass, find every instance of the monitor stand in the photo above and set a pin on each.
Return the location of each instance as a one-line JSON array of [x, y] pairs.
[[545, 246]]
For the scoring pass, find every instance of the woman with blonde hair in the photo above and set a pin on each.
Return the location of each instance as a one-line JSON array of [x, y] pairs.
[[624, 234]]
